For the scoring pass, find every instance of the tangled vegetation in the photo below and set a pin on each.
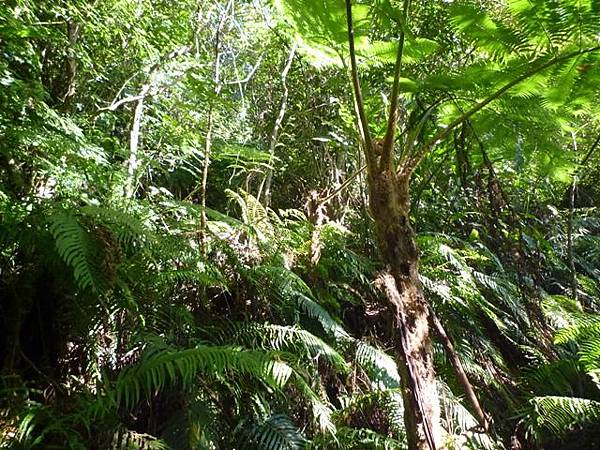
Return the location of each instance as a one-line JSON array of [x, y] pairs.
[[299, 224]]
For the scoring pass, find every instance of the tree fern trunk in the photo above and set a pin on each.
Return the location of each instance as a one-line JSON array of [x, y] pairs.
[[406, 305]]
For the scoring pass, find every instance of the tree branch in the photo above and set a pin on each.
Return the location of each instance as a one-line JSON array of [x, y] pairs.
[[388, 141], [459, 371], [588, 154], [115, 104], [250, 74], [267, 180], [343, 186], [367, 140]]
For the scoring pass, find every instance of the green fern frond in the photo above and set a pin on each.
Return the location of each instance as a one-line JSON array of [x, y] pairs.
[[315, 311], [210, 276], [162, 367], [281, 338], [277, 432], [387, 400], [128, 229], [321, 409], [78, 250], [585, 327], [556, 378], [132, 440], [254, 214], [560, 415], [348, 438], [381, 367]]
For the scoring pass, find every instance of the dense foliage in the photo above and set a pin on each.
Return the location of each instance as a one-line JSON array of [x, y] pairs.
[[187, 255]]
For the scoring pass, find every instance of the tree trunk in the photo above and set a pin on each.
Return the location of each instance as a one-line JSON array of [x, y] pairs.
[[390, 205]]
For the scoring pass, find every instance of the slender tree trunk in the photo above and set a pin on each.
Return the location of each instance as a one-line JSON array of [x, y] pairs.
[[268, 179], [224, 15], [459, 371], [73, 30], [570, 256], [390, 206], [134, 142]]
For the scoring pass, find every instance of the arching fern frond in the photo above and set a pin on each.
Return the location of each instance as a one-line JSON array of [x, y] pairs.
[[132, 440], [381, 367], [347, 438], [164, 366], [281, 338], [78, 249], [585, 331], [130, 232]]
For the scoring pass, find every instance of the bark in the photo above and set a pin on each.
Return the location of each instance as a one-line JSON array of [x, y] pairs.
[[406, 305], [73, 30], [390, 206], [134, 141]]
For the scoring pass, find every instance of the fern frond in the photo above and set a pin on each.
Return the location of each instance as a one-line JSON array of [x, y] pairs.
[[282, 338], [560, 415], [162, 367], [381, 367], [78, 249], [128, 229], [132, 440], [277, 432], [585, 327]]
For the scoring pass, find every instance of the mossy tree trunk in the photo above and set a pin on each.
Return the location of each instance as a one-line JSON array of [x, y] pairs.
[[390, 206]]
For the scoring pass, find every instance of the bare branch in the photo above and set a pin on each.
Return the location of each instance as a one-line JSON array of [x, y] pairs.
[[250, 74], [344, 185], [180, 51], [266, 183]]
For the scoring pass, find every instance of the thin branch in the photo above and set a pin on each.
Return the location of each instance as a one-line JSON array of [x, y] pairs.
[[115, 105], [224, 16], [588, 155], [570, 255], [344, 185], [180, 51], [134, 139], [413, 135], [388, 141], [570, 218], [266, 183], [250, 74], [459, 371], [367, 140]]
